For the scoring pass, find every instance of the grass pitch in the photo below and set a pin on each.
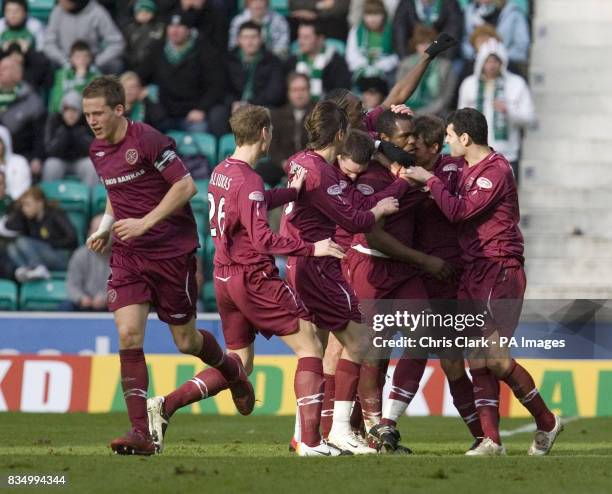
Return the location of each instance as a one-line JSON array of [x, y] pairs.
[[209, 454]]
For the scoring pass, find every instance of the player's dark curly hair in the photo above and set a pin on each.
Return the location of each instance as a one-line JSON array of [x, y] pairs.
[[323, 124], [386, 122]]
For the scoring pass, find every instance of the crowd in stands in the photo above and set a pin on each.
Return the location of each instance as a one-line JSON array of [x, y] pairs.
[[186, 65]]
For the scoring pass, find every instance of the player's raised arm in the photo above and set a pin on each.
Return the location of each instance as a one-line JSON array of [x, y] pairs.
[[404, 88]]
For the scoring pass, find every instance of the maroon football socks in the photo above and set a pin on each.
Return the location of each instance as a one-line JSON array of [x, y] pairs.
[[523, 387], [135, 381], [212, 354], [486, 399], [369, 390], [308, 385], [207, 383], [462, 392], [406, 379]]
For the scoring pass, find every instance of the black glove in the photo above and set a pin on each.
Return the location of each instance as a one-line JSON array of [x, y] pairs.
[[395, 153], [442, 43]]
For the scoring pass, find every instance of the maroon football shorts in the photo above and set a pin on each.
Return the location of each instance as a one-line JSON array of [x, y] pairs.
[[495, 287], [253, 299], [323, 289], [169, 284], [375, 278]]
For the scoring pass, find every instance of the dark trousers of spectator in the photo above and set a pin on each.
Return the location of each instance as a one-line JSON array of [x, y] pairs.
[[30, 252]]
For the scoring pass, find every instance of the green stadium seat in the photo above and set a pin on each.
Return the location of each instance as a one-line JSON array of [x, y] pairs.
[[98, 199], [195, 143], [8, 295], [42, 295], [227, 144], [41, 9], [206, 145], [73, 196], [199, 206], [208, 296]]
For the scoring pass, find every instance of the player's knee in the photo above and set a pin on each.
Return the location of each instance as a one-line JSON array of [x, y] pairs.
[[454, 369], [130, 336], [499, 366], [186, 345]]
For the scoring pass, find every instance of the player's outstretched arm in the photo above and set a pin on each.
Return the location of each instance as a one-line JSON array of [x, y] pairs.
[[404, 88], [485, 194], [99, 241], [178, 195], [386, 243]]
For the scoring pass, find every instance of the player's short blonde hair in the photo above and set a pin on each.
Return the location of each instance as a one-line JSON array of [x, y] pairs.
[[107, 87], [247, 123]]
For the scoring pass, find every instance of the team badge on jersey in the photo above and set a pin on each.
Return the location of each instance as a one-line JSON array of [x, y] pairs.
[[256, 196], [334, 190], [365, 189], [484, 183], [131, 156]]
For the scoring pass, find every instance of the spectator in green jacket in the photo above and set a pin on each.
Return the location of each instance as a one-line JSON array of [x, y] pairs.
[[75, 77]]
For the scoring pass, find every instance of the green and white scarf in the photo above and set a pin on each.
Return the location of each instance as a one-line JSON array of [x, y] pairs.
[[428, 14], [429, 86], [137, 112], [8, 97], [373, 45], [313, 68], [500, 119], [176, 55], [250, 66]]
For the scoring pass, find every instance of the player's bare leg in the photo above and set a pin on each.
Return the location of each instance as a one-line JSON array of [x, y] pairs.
[[356, 342], [131, 321], [224, 371]]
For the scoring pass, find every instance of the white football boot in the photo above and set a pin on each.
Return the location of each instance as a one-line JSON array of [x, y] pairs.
[[487, 447], [322, 449], [349, 441], [543, 441], [157, 422]]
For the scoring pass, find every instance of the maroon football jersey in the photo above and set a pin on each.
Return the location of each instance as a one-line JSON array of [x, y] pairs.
[[486, 209], [238, 211], [137, 173], [400, 224], [434, 233], [322, 204]]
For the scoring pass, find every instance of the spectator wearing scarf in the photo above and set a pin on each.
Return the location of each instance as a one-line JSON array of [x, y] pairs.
[[504, 98], [441, 15], [254, 74], [437, 86], [369, 50], [274, 27], [325, 68], [510, 23]]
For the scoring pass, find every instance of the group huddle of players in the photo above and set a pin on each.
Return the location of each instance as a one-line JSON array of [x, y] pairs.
[[372, 211]]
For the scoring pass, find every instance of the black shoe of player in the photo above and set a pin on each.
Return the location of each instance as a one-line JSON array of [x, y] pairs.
[[442, 43], [388, 437]]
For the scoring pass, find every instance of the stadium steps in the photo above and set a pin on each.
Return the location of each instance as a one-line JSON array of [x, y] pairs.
[[566, 168]]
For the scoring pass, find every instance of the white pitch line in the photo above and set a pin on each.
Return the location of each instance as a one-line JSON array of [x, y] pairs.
[[531, 427]]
